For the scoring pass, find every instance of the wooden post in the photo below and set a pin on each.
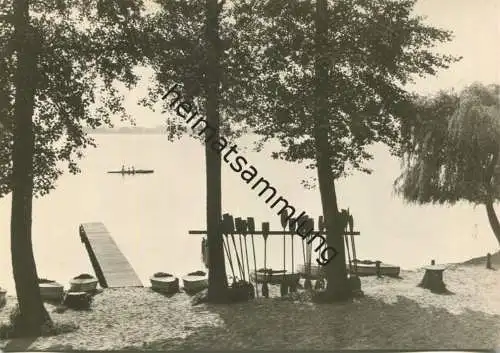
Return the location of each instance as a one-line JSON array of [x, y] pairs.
[[488, 261], [3, 299], [377, 264]]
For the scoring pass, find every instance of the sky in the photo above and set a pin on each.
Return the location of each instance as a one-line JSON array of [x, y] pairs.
[[475, 24]]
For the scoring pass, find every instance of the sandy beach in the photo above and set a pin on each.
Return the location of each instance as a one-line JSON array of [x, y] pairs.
[[393, 314]]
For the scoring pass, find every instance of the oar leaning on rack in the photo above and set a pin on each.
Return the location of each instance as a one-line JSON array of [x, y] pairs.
[[265, 234], [251, 230], [320, 283], [238, 222], [244, 230], [292, 225], [284, 284], [228, 228], [305, 253]]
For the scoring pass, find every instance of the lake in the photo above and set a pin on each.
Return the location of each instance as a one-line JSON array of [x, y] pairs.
[[149, 215]]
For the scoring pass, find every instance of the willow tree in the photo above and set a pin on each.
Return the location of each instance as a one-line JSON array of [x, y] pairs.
[[330, 86], [451, 152], [59, 61], [194, 44]]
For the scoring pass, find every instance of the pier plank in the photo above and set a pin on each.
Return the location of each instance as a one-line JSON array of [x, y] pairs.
[[110, 265]]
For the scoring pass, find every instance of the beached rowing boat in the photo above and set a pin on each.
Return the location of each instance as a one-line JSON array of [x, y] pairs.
[[274, 277], [138, 171], [369, 268], [83, 283], [364, 268], [312, 271], [51, 290], [164, 283], [195, 282]]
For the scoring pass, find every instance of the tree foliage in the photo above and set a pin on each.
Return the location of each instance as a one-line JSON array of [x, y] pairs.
[[56, 58], [177, 48], [450, 152], [374, 49], [86, 47]]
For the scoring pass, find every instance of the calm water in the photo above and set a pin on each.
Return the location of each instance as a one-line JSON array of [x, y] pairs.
[[149, 215]]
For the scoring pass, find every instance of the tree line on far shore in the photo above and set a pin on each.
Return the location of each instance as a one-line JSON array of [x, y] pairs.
[[322, 77]]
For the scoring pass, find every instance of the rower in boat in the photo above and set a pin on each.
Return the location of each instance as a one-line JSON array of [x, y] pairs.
[[123, 169]]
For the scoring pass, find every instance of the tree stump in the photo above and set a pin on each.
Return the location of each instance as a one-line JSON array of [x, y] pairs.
[[433, 279], [78, 300]]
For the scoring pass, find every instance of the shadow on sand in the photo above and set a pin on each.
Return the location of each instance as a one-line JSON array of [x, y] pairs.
[[19, 344], [166, 295], [366, 323]]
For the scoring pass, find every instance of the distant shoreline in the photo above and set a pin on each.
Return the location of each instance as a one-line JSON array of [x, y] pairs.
[[159, 130]]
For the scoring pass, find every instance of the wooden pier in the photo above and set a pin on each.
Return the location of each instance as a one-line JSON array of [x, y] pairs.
[[110, 265]]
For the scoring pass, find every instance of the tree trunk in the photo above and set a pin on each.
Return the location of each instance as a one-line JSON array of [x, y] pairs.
[[217, 285], [336, 273], [492, 217], [490, 198], [32, 312]]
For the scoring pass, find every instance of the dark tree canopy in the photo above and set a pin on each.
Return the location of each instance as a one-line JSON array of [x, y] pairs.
[[452, 151], [177, 52], [449, 150], [86, 47], [374, 49]]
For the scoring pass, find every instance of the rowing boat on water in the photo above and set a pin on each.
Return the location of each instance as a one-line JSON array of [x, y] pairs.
[[138, 171]]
